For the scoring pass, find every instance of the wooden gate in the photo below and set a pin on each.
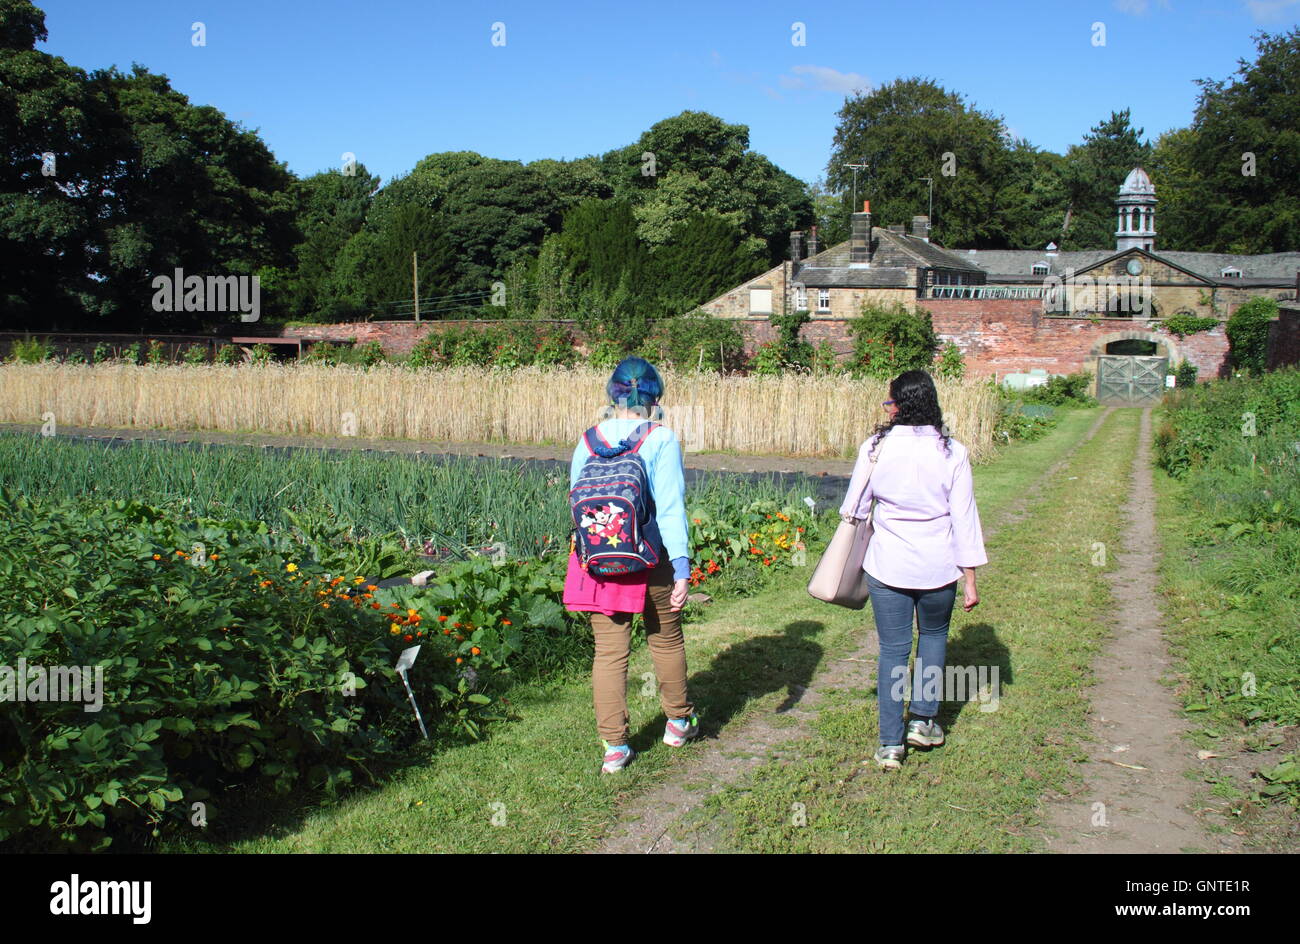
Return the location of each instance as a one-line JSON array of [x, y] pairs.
[[1131, 381]]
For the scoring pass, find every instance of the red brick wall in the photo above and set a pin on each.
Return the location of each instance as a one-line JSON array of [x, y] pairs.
[[996, 336]]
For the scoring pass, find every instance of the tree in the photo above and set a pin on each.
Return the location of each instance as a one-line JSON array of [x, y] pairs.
[[330, 209], [913, 128], [1231, 181], [702, 164], [704, 257], [1091, 176]]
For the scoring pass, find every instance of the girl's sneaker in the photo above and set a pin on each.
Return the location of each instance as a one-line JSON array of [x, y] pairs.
[[680, 730], [616, 758], [890, 757], [924, 732]]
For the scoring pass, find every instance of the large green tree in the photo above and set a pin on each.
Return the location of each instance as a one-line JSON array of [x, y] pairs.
[[139, 183], [1231, 182], [912, 129]]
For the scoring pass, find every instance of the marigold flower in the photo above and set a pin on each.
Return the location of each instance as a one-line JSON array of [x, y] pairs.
[[372, 587], [326, 604], [442, 618], [291, 567], [459, 660], [506, 623], [408, 637], [394, 630], [410, 612], [475, 650], [375, 606], [358, 579], [157, 557]]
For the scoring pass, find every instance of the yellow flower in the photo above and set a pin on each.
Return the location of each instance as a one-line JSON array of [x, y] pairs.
[[291, 567]]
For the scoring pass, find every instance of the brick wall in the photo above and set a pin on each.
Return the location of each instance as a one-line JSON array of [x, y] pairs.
[[1284, 338], [996, 336]]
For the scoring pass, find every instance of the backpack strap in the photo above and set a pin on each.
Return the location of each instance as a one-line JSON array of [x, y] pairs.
[[638, 435], [598, 445]]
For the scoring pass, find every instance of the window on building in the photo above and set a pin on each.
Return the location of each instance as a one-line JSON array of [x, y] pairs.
[[1040, 268], [801, 299], [760, 301], [823, 299], [1232, 272]]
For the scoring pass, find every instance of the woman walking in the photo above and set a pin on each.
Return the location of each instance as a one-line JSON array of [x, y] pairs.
[[659, 590], [927, 539]]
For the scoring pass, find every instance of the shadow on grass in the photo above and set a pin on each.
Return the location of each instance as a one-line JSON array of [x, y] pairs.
[[977, 646], [745, 671]]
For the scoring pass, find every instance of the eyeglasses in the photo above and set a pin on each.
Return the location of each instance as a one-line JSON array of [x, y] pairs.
[[887, 403]]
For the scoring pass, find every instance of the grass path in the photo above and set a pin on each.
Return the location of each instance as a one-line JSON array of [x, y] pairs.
[[981, 792], [533, 785]]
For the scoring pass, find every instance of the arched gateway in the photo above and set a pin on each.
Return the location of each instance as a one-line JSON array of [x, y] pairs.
[[1131, 367]]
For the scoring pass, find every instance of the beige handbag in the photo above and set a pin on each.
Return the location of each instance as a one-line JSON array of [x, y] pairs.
[[838, 577]]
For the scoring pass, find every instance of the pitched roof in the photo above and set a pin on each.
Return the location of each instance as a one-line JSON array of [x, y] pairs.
[[893, 257], [1016, 265]]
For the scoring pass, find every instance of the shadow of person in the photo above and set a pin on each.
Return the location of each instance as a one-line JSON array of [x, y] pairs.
[[977, 672], [747, 670]]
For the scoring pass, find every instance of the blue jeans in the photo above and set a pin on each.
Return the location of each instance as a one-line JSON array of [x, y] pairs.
[[893, 608]]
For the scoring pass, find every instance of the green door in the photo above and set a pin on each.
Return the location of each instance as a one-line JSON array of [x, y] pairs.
[[1131, 381]]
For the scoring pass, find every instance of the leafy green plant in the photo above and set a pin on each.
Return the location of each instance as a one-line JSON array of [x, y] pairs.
[[1063, 389], [695, 341], [951, 363], [369, 354], [262, 353], [1248, 334], [1185, 374], [195, 354], [228, 354], [1182, 324], [102, 352], [156, 353], [30, 350], [890, 339]]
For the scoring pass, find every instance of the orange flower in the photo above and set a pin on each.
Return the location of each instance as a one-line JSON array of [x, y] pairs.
[[506, 623], [475, 650], [442, 619], [446, 632], [459, 660], [326, 604], [214, 556], [372, 587], [408, 637], [375, 606], [157, 557]]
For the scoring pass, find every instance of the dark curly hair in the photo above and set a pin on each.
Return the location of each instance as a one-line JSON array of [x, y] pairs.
[[918, 405]]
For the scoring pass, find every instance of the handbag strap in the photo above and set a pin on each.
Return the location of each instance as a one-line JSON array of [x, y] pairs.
[[871, 467]]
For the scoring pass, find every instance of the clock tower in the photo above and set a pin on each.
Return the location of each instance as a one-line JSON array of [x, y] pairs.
[[1137, 212]]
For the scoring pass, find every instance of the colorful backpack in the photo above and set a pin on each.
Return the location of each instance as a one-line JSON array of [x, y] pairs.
[[613, 509]]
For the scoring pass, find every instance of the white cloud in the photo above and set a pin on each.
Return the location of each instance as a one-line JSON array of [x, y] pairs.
[[1269, 11], [825, 79]]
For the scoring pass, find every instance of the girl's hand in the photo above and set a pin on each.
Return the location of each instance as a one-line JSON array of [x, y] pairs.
[[678, 598]]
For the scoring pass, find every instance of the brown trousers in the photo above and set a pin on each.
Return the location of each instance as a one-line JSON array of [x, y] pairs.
[[613, 635]]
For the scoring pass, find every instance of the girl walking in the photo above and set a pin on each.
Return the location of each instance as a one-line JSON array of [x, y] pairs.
[[927, 541], [659, 590]]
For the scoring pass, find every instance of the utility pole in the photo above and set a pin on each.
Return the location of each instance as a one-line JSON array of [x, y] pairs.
[[415, 284], [855, 168]]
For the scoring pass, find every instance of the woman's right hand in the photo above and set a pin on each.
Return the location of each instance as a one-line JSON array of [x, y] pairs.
[[972, 597]]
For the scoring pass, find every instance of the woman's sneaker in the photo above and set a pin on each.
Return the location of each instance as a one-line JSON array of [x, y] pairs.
[[680, 730], [924, 732], [890, 757], [616, 758]]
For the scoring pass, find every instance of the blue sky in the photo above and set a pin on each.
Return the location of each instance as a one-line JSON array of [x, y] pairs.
[[394, 80]]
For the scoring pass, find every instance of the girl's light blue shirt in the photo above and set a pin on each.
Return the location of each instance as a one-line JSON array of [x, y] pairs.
[[663, 460]]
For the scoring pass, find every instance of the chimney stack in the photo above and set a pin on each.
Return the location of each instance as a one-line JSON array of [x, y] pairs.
[[796, 247], [921, 227], [812, 242], [860, 237]]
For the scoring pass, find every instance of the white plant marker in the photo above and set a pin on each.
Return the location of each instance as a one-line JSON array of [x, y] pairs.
[[404, 663]]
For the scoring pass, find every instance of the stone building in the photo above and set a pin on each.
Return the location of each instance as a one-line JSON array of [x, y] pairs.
[[1021, 310]]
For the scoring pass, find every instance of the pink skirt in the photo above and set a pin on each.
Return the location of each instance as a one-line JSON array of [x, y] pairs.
[[624, 593]]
